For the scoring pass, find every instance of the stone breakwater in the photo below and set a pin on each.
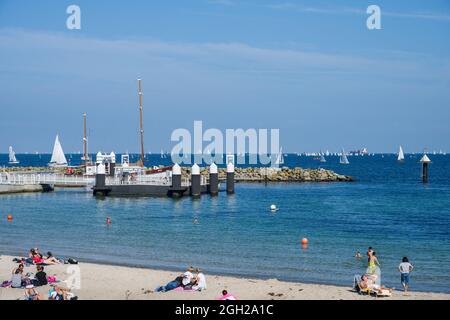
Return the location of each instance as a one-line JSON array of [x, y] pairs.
[[280, 175]]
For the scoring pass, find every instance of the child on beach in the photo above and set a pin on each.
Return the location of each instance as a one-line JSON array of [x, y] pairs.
[[405, 269]]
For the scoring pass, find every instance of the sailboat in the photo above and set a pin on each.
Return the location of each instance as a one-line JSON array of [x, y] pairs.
[[343, 159], [58, 157], [280, 158], [322, 158], [12, 156], [401, 155]]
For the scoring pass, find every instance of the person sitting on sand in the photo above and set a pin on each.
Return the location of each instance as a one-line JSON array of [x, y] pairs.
[[17, 279], [40, 277], [227, 296], [188, 276], [21, 266], [367, 282], [200, 281], [57, 293], [31, 293], [171, 285]]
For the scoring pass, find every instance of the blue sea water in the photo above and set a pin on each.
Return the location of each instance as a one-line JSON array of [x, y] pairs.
[[387, 208]]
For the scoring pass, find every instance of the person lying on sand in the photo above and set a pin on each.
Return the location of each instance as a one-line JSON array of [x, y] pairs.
[[40, 259], [367, 282], [171, 285], [227, 296]]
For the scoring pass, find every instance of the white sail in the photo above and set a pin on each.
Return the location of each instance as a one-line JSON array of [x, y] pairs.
[[12, 156], [58, 157], [280, 158], [322, 159], [343, 159], [401, 155]]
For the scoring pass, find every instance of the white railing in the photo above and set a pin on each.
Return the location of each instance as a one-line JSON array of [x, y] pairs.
[[44, 178]]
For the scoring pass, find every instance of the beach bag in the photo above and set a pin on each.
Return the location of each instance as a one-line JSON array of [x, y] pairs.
[[51, 279], [72, 261]]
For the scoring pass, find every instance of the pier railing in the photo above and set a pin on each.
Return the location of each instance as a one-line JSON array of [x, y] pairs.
[[45, 178]]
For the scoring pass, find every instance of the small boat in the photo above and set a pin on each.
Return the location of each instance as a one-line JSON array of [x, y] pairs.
[[58, 159], [343, 159], [401, 155], [12, 156], [280, 158]]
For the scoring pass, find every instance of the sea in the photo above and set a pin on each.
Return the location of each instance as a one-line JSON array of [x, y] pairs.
[[387, 207]]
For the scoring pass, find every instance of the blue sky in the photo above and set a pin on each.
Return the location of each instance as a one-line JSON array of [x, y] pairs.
[[310, 68]]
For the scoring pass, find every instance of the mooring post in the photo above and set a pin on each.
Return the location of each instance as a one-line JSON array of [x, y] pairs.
[[230, 178], [213, 179], [195, 181], [425, 161], [176, 176], [100, 176]]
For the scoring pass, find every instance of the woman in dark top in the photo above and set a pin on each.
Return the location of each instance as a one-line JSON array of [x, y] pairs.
[[40, 277]]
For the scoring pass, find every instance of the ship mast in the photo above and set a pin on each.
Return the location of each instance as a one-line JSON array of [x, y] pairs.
[[140, 123], [85, 151]]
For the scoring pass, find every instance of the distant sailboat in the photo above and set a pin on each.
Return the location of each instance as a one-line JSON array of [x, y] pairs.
[[280, 157], [343, 159], [322, 158], [58, 157], [401, 155], [12, 156]]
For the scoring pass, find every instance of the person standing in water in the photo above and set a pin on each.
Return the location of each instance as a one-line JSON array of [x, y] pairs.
[[405, 269]]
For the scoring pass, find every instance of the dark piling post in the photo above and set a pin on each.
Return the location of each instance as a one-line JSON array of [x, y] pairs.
[[230, 178], [176, 176], [213, 179], [425, 161], [195, 181], [100, 176]]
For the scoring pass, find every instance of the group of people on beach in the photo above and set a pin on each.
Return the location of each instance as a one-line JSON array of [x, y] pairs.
[[186, 281], [371, 280], [30, 281]]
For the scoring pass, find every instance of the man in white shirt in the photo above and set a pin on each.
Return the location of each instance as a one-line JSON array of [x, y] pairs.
[[188, 276]]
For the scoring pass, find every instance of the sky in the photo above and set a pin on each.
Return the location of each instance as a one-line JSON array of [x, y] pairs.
[[309, 68]]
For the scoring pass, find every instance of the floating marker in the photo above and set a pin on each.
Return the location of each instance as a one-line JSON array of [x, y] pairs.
[[10, 217], [304, 241]]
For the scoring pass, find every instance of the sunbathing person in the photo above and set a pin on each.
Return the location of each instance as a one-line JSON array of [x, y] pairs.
[[367, 282], [40, 279], [31, 293], [199, 281], [227, 296], [17, 280], [40, 259], [171, 285]]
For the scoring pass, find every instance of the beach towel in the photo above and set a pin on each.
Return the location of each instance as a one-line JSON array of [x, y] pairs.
[[228, 296], [181, 289]]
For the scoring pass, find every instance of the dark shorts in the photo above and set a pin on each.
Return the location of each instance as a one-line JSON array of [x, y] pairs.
[[405, 278]]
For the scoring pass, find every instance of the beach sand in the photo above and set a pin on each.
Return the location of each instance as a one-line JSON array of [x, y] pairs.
[[107, 282]]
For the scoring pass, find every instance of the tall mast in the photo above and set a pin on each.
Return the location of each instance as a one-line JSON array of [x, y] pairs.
[[140, 122], [85, 151]]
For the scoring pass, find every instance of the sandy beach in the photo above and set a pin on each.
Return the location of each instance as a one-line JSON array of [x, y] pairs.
[[107, 282]]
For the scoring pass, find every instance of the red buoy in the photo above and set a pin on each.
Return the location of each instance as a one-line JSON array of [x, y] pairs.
[[10, 217], [305, 241]]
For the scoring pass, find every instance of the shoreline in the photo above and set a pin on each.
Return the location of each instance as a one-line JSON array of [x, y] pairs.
[[115, 282]]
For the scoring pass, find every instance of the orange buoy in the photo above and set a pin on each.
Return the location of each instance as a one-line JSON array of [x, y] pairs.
[[108, 220], [10, 217], [305, 241]]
